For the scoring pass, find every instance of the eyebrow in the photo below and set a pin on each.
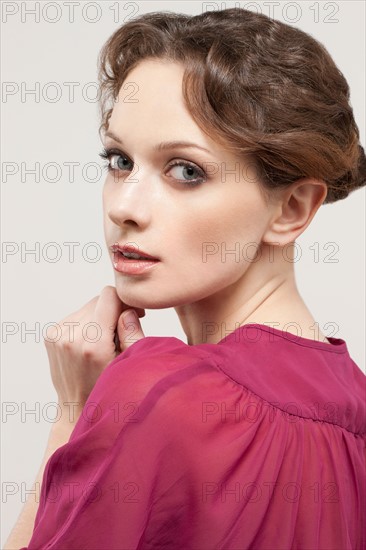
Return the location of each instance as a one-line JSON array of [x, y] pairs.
[[164, 145]]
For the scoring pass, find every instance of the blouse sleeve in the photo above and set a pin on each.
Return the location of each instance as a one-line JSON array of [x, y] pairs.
[[127, 474]]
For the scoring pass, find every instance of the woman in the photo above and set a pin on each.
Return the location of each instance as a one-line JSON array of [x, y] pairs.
[[251, 434]]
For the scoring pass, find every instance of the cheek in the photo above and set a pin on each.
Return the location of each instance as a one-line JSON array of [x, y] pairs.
[[106, 220], [108, 200], [104, 199], [222, 235]]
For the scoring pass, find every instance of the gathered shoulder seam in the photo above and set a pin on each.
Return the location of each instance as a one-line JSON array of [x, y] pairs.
[[210, 358]]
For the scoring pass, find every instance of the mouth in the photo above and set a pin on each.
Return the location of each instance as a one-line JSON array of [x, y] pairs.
[[132, 253], [130, 262]]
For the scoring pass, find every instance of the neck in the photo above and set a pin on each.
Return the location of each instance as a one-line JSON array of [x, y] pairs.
[[266, 293]]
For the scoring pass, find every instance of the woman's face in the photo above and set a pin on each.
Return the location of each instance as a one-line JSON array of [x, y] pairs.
[[205, 234]]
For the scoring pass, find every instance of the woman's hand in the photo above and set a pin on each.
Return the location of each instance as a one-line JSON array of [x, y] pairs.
[[85, 343]]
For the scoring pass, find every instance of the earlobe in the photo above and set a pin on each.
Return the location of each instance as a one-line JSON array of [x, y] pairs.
[[295, 210]]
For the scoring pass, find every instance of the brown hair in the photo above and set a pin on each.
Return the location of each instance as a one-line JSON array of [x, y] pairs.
[[256, 85]]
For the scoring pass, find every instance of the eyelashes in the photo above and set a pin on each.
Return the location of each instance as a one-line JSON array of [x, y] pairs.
[[107, 154], [110, 154]]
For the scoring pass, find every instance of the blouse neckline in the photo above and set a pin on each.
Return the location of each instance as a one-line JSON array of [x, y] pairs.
[[335, 345]]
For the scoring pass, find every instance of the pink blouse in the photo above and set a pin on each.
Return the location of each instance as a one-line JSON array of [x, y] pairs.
[[256, 442]]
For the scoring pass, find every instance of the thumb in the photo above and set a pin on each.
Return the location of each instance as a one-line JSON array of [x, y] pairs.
[[129, 329]]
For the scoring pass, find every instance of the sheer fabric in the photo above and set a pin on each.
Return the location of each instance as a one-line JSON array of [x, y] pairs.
[[257, 442]]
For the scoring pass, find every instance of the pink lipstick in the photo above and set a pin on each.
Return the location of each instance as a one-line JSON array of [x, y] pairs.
[[131, 260]]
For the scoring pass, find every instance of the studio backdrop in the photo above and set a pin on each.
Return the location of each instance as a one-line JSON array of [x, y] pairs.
[[54, 257]]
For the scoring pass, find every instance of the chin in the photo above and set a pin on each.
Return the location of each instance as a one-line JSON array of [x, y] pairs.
[[161, 296], [135, 297]]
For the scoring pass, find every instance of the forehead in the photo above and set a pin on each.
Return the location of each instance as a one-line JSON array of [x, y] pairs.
[[150, 105], [151, 109], [153, 84]]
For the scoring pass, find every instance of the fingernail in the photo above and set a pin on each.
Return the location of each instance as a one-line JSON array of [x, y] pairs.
[[129, 317]]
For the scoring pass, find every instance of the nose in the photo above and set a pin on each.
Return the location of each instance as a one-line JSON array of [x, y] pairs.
[[129, 201]]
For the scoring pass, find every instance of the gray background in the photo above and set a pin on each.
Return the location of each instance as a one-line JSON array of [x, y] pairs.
[[44, 212]]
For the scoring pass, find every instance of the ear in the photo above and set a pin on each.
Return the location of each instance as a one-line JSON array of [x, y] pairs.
[[294, 208]]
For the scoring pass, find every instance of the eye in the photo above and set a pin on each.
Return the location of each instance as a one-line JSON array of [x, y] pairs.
[[189, 170], [120, 162], [116, 160]]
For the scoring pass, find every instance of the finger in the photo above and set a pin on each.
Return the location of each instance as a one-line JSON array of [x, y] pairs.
[[107, 311], [129, 329]]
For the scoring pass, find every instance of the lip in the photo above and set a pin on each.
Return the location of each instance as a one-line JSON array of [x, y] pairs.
[[131, 266], [115, 247]]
